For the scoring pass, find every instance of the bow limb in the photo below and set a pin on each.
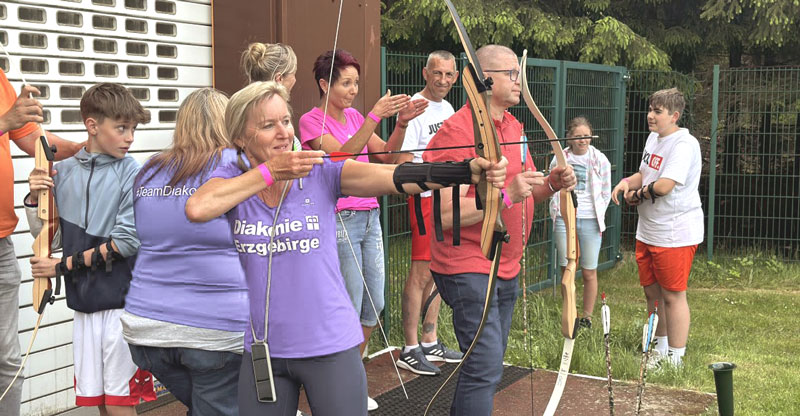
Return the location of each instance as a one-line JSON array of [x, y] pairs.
[[568, 211], [569, 314], [48, 214], [487, 145]]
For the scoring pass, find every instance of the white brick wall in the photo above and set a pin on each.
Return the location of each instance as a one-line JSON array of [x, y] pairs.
[[160, 48]]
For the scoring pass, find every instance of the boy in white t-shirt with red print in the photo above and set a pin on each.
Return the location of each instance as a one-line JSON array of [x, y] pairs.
[[670, 220]]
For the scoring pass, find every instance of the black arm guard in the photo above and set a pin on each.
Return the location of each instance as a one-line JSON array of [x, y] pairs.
[[653, 194], [96, 256], [442, 173], [77, 261], [109, 256]]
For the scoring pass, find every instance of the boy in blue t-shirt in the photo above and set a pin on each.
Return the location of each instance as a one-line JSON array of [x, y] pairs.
[[93, 193]]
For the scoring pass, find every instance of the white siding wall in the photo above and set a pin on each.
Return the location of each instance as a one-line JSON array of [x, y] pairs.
[[160, 48]]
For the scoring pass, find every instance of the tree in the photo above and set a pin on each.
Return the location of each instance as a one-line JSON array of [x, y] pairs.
[[649, 34]]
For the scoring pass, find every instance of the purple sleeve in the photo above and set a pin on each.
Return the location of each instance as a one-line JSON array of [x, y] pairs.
[[227, 167], [332, 174]]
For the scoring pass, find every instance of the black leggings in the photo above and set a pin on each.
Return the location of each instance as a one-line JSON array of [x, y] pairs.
[[335, 384]]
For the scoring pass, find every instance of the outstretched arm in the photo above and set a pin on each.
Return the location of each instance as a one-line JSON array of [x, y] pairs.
[[368, 179], [218, 195]]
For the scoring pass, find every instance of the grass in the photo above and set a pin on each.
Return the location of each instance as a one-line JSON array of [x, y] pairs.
[[743, 311]]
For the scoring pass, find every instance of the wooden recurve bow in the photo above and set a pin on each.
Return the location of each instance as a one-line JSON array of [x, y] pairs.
[[493, 231], [568, 206]]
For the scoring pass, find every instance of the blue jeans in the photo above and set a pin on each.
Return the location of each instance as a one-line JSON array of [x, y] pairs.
[[364, 231], [10, 358], [483, 369], [589, 240], [205, 381]]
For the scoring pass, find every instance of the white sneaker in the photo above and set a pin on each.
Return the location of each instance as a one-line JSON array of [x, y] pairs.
[[371, 403]]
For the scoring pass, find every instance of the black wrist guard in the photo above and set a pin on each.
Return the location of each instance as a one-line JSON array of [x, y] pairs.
[[109, 256], [96, 258], [637, 195], [61, 270], [77, 261], [652, 192], [442, 173]]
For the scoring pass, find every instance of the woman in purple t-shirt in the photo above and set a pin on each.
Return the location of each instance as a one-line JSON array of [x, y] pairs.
[[335, 126], [280, 206], [185, 313]]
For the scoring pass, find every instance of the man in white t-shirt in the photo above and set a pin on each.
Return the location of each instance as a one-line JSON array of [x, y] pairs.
[[670, 220], [440, 74]]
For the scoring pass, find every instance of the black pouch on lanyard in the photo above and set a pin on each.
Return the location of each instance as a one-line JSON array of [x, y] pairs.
[[262, 369]]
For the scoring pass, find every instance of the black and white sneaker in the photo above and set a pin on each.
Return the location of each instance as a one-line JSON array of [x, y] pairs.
[[415, 362], [440, 352]]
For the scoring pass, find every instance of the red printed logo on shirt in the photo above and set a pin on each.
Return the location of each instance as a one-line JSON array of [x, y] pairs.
[[655, 161]]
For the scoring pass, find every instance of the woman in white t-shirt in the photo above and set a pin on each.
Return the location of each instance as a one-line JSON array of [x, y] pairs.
[[593, 193]]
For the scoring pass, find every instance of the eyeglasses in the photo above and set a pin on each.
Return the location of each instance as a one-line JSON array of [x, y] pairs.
[[513, 74]]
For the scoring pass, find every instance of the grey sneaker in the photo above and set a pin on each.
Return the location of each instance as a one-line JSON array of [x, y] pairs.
[[440, 352], [585, 323], [416, 362], [655, 360]]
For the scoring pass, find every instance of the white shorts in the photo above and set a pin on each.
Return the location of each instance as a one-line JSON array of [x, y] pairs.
[[104, 371]]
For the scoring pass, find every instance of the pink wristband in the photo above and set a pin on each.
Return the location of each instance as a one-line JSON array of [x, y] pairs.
[[2, 133], [374, 117], [625, 180], [506, 199], [266, 174]]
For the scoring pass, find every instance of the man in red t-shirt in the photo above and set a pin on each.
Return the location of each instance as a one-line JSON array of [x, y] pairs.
[[461, 272], [18, 116]]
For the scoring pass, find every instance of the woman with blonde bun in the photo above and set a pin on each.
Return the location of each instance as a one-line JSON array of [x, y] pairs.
[[271, 62]]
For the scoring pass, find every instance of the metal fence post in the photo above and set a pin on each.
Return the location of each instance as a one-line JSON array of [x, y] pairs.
[[619, 159], [712, 168], [387, 312]]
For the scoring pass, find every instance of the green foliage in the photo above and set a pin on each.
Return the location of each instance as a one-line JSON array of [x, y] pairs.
[[566, 30], [613, 43], [772, 22], [652, 34]]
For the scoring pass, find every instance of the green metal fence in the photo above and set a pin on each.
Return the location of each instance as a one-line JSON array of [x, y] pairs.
[[746, 119], [562, 90], [754, 189]]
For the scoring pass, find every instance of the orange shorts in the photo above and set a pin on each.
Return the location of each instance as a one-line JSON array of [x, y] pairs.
[[421, 244], [667, 266]]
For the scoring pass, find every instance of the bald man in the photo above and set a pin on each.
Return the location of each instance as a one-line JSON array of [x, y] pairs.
[[461, 273]]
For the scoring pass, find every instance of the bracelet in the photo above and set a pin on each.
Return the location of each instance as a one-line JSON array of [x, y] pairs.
[[374, 117], [506, 199], [401, 125], [2, 132], [265, 173], [550, 184], [625, 180]]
